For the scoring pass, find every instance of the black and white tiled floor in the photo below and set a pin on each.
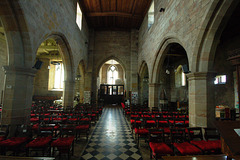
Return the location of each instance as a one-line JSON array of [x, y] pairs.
[[112, 139]]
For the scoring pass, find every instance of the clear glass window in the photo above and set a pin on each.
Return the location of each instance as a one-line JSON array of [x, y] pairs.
[[220, 79], [180, 77], [79, 17], [112, 74], [151, 15], [59, 76], [183, 79], [56, 76]]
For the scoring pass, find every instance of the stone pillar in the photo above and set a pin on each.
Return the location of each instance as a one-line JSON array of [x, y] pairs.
[[68, 93], [134, 61], [201, 99], [153, 95], [17, 96], [81, 89], [87, 87]]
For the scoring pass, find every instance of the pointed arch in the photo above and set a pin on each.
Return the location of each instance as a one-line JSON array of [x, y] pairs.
[[142, 69], [17, 35], [161, 55], [214, 23], [65, 52], [109, 58]]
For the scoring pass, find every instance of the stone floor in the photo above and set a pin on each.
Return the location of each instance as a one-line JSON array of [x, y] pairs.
[[112, 138]]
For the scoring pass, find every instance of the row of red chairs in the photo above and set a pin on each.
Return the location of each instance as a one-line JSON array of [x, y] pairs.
[[175, 137], [49, 132], [44, 140], [181, 142]]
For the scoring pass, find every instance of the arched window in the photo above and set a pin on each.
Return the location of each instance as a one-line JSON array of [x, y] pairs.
[[79, 17], [59, 76], [56, 76], [180, 77], [151, 15], [112, 74]]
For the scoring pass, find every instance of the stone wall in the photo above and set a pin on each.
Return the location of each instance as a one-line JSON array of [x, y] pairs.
[[3, 62], [41, 81], [46, 18], [112, 44], [115, 45], [55, 19], [224, 93], [181, 21]]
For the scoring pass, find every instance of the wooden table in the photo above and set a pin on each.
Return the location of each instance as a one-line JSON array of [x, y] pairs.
[[197, 157]]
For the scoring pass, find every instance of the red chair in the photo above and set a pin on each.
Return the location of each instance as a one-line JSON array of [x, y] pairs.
[[150, 122], [179, 122], [94, 116], [196, 138], [72, 119], [22, 135], [179, 141], [213, 137], [134, 117], [123, 105], [65, 143], [39, 143], [34, 118], [83, 127], [163, 123], [157, 144], [140, 130], [43, 140]]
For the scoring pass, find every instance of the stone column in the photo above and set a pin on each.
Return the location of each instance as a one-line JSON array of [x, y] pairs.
[[17, 96], [134, 61], [87, 86], [68, 93], [81, 89], [127, 83], [153, 95], [201, 99]]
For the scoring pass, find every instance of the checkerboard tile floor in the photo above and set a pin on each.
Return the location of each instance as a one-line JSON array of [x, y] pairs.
[[111, 139]]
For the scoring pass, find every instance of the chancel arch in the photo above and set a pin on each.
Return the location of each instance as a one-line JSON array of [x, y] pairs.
[[111, 82]]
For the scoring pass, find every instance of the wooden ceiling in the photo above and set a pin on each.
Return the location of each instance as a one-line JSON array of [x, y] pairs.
[[114, 14]]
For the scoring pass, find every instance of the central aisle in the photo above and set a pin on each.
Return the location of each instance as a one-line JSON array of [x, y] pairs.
[[112, 138]]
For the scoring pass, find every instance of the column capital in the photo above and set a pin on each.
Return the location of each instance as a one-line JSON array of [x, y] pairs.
[[19, 70], [200, 75]]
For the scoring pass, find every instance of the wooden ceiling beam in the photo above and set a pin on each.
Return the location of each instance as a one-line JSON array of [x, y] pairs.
[[134, 7], [118, 14]]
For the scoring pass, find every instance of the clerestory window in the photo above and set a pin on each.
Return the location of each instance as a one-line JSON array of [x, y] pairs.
[[79, 17], [151, 15]]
